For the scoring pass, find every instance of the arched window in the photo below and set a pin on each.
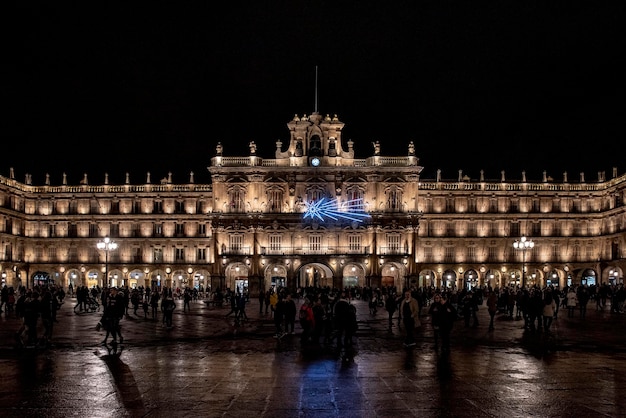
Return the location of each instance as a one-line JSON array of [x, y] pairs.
[[394, 199]]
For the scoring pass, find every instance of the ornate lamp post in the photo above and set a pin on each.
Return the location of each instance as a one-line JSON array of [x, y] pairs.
[[523, 245], [106, 245]]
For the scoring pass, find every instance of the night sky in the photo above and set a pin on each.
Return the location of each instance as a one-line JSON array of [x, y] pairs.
[[138, 87]]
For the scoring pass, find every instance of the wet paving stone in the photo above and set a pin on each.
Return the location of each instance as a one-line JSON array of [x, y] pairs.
[[201, 368]]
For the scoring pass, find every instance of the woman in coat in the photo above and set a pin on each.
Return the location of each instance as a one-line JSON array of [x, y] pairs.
[[571, 302], [409, 311]]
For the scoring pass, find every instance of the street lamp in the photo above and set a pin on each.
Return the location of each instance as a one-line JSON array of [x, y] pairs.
[[523, 245], [106, 245]]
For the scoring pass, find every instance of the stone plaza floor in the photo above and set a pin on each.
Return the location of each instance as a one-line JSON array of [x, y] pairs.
[[206, 367]]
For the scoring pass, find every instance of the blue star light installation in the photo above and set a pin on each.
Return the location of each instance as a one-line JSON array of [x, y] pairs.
[[328, 209]]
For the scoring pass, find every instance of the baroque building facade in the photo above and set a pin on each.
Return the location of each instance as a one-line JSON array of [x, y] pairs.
[[314, 215]]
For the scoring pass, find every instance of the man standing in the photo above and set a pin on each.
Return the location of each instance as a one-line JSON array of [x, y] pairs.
[[290, 314], [446, 322], [261, 300], [344, 319], [113, 311], [409, 311], [492, 307], [390, 306]]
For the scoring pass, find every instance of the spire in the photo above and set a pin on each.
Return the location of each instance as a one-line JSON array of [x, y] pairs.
[[315, 110]]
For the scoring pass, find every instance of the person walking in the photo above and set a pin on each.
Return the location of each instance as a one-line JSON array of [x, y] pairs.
[[261, 300], [409, 311], [319, 316], [134, 300], [167, 306], [45, 308], [4, 298], [307, 321], [436, 311], [187, 296], [446, 323], [344, 320], [556, 294], [113, 311], [233, 306], [583, 298], [279, 316], [570, 302], [273, 300], [549, 308], [390, 306], [31, 311], [154, 303], [290, 314], [492, 308], [241, 307]]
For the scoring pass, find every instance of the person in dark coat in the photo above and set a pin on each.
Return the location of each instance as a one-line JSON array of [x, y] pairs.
[[391, 306], [446, 322], [344, 320]]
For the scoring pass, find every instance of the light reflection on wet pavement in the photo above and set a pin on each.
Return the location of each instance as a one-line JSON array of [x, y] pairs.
[[206, 370]]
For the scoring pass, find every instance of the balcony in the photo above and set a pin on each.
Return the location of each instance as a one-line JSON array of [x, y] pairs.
[[333, 250]]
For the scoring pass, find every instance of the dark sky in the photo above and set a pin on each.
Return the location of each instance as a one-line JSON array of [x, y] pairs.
[[503, 85]]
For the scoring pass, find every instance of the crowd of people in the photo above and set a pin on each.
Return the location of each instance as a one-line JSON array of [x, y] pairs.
[[34, 306], [326, 316]]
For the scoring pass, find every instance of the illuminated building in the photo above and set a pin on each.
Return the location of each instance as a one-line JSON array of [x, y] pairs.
[[314, 215]]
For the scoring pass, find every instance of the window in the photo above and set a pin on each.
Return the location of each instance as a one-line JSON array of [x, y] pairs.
[[493, 254], [52, 254], [137, 255], [73, 255], [157, 255], [393, 243], [354, 243], [237, 199], [428, 254], [158, 207], [471, 254], [235, 243], [180, 230], [394, 199], [180, 254], [201, 254], [315, 243], [449, 256], [275, 242], [202, 230], [355, 200], [314, 194], [157, 230], [275, 197]]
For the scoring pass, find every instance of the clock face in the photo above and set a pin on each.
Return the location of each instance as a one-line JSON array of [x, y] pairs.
[[315, 162]]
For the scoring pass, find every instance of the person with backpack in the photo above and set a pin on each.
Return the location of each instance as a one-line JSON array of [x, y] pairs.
[[307, 321]]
